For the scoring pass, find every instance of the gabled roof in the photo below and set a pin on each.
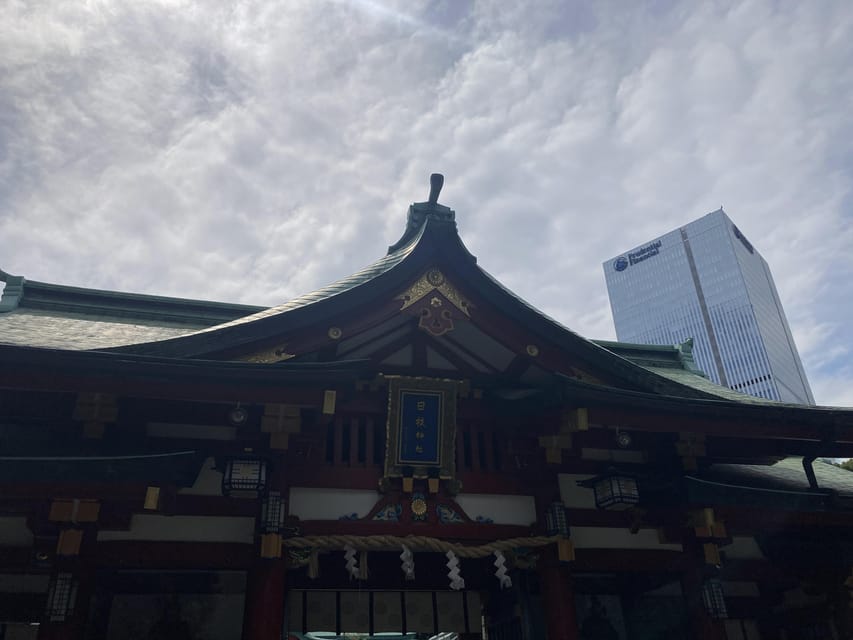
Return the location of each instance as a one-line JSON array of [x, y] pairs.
[[190, 329], [676, 363], [56, 316], [783, 486], [785, 475], [31, 295]]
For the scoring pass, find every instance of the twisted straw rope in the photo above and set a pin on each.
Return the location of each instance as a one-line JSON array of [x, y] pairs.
[[419, 543]]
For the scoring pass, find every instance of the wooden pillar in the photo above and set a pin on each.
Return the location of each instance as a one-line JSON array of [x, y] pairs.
[[263, 616], [558, 597], [264, 613]]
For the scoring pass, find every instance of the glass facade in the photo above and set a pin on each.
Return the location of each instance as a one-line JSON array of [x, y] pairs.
[[707, 282]]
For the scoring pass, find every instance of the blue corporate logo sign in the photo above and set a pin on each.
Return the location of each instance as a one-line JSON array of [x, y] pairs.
[[622, 262]]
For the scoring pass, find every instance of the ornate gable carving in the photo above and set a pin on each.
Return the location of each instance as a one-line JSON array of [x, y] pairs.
[[436, 302]]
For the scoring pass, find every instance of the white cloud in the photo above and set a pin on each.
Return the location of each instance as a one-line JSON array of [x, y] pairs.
[[252, 151]]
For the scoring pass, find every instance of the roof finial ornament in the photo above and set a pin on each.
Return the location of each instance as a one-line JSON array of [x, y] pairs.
[[421, 213], [436, 182]]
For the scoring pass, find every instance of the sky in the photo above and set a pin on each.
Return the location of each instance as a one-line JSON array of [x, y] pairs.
[[254, 151]]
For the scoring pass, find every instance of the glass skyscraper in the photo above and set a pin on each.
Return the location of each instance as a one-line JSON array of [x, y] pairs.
[[706, 281]]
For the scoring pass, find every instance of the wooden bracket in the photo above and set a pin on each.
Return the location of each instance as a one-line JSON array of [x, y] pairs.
[[95, 410], [691, 444], [706, 526], [554, 446], [281, 421], [712, 553], [329, 400], [152, 499], [69, 542], [75, 510], [574, 420], [565, 550], [271, 545], [690, 447]]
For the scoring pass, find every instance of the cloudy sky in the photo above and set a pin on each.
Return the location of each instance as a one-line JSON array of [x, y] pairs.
[[252, 151]]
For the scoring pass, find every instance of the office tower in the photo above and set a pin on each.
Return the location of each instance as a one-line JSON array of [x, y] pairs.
[[706, 281]]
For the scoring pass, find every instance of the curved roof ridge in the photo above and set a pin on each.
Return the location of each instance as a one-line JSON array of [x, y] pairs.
[[22, 293], [639, 374], [371, 271], [363, 276]]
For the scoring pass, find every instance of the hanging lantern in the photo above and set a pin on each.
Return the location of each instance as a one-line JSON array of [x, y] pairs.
[[272, 513], [714, 599], [61, 596], [556, 522], [614, 490], [244, 477]]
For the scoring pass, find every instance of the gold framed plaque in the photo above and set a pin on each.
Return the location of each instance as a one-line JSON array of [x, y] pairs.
[[421, 428]]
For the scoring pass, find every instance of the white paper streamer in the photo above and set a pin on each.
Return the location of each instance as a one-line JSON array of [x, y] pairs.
[[408, 563], [352, 563], [456, 580], [500, 571]]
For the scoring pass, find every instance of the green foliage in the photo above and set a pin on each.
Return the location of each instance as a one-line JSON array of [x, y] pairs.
[[847, 464]]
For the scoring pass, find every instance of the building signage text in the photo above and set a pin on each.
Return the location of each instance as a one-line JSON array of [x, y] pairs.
[[621, 263], [420, 426]]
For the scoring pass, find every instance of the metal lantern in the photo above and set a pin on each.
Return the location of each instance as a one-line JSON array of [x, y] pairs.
[[61, 597], [556, 523], [614, 490], [272, 513], [244, 477], [714, 599]]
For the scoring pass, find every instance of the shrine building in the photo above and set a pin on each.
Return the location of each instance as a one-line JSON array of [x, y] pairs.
[[412, 452]]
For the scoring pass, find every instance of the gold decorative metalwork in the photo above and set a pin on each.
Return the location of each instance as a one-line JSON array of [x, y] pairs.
[[434, 280], [435, 277], [419, 506], [335, 333], [532, 350], [583, 376]]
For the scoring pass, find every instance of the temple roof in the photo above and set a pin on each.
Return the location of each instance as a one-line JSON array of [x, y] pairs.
[[782, 485], [784, 475], [61, 317], [37, 314], [41, 314]]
